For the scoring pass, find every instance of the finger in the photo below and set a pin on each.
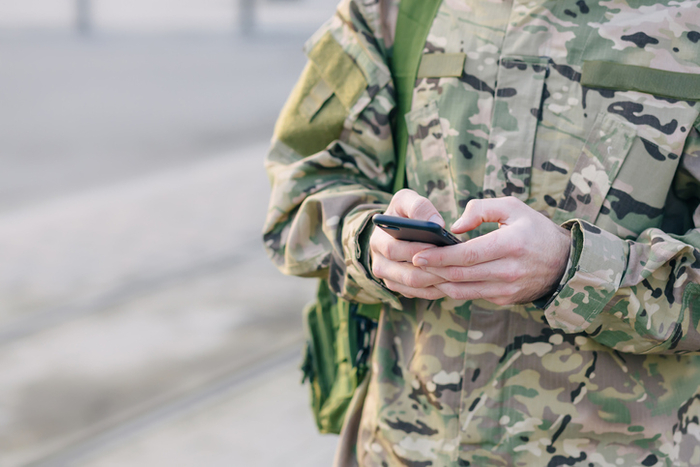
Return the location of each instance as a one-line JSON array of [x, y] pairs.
[[428, 293], [479, 211], [494, 292], [403, 273], [502, 271], [393, 249], [408, 203], [478, 250]]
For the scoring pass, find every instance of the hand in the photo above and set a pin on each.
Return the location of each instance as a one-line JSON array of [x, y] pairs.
[[391, 258], [521, 261]]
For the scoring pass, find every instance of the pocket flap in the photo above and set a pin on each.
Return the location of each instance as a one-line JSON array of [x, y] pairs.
[[602, 156], [338, 70], [514, 121], [312, 103], [662, 83]]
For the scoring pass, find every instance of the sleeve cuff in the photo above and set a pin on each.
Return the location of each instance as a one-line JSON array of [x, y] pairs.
[[597, 263], [362, 286]]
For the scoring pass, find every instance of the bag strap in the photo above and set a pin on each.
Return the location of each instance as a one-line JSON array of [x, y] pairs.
[[412, 27]]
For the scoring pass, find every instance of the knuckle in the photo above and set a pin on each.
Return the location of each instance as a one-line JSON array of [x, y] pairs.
[[402, 197], [462, 294], [454, 294], [510, 292], [516, 247], [417, 207], [501, 301], [448, 290], [377, 269], [397, 198], [411, 280], [512, 274], [456, 274], [406, 279], [388, 250], [474, 203], [437, 256], [477, 295], [471, 208], [457, 295], [374, 242], [470, 255], [434, 294]]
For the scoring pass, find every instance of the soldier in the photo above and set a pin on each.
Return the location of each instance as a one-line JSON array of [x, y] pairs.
[[561, 139]]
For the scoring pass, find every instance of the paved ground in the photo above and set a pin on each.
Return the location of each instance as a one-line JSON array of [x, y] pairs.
[[141, 323], [165, 291]]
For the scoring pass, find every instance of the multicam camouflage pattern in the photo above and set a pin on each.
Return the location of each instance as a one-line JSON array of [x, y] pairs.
[[607, 372]]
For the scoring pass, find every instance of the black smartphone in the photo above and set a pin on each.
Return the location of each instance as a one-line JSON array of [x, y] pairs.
[[412, 230]]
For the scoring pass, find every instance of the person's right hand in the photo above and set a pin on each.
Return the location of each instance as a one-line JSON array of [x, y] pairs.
[[392, 259]]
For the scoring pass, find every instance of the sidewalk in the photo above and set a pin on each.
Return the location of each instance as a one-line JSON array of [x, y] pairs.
[[131, 335], [266, 424]]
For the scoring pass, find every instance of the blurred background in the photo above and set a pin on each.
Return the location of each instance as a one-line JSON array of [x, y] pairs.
[[141, 323]]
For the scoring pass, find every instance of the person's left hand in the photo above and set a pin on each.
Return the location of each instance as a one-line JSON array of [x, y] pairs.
[[521, 261]]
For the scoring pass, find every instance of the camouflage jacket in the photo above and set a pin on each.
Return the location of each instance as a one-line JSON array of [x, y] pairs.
[[586, 110]]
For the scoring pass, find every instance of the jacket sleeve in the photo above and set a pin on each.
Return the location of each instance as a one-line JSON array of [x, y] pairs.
[[640, 296], [331, 161]]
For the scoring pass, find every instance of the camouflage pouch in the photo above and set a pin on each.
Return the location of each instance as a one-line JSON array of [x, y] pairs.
[[339, 334]]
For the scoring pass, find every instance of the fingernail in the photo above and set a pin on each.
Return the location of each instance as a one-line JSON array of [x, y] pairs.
[[458, 223], [437, 219], [420, 262]]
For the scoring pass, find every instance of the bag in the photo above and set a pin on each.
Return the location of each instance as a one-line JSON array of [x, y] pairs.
[[339, 333], [337, 351]]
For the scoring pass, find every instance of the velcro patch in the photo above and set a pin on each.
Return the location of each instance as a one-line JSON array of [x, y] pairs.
[[338, 70], [662, 83], [441, 65]]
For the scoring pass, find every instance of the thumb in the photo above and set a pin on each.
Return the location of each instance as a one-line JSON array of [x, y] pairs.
[[410, 204], [479, 211]]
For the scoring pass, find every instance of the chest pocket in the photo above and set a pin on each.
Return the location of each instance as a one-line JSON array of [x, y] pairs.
[[603, 153], [517, 102], [427, 161], [626, 166]]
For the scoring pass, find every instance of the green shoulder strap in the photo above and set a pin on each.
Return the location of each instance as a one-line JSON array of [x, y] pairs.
[[338, 338], [412, 27]]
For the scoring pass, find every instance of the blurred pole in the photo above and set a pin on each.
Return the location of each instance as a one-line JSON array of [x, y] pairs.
[[246, 16], [82, 16]]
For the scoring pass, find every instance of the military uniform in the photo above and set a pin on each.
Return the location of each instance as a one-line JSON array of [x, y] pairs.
[[585, 110]]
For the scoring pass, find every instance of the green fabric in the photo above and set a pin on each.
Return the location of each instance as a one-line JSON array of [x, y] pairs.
[[331, 365], [609, 75], [441, 65], [338, 70], [314, 114], [318, 96], [334, 363], [412, 27], [295, 128]]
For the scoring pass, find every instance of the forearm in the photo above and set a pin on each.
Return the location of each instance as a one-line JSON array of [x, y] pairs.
[[631, 296], [332, 158]]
